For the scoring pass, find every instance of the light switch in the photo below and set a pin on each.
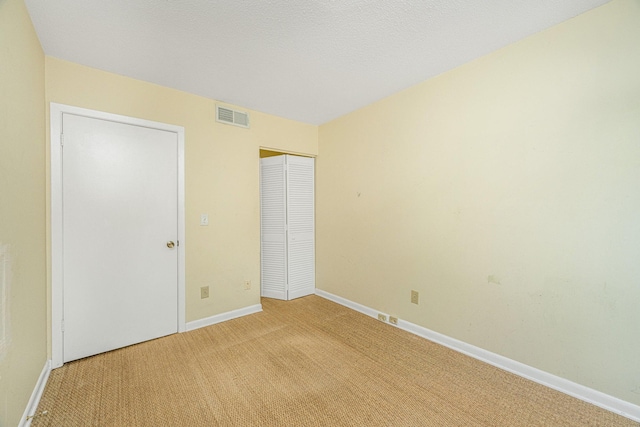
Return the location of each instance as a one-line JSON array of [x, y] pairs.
[[204, 219]]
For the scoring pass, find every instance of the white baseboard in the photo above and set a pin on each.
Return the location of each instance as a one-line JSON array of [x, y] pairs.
[[589, 395], [222, 317], [34, 400]]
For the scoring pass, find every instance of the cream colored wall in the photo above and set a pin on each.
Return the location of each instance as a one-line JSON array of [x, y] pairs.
[[22, 208], [221, 164], [506, 193]]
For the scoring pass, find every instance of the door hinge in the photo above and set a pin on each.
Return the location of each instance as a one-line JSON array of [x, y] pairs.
[[62, 139], [62, 325]]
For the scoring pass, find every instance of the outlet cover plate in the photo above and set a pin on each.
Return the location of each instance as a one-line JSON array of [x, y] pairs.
[[415, 297], [204, 292]]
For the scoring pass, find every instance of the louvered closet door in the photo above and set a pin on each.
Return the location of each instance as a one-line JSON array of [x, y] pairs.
[[273, 242], [301, 270]]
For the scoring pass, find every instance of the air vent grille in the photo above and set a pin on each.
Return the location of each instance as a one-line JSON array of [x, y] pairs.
[[225, 115], [241, 119], [232, 117]]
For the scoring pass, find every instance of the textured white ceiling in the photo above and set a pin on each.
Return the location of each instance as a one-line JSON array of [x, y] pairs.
[[308, 60]]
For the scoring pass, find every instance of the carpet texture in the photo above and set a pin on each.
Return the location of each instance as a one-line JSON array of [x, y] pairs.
[[306, 362]]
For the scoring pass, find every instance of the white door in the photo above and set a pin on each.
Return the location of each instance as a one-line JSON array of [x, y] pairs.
[[301, 271], [120, 206], [287, 227], [273, 223]]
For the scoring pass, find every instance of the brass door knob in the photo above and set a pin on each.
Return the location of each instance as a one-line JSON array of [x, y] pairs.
[[170, 244]]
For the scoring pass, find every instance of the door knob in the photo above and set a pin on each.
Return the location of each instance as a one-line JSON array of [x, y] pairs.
[[170, 244]]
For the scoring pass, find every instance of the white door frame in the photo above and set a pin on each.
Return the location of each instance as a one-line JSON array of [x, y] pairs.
[[57, 280]]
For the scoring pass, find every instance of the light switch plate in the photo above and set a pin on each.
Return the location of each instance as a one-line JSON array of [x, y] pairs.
[[204, 219]]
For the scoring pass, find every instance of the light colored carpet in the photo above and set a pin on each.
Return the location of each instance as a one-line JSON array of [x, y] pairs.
[[307, 362]]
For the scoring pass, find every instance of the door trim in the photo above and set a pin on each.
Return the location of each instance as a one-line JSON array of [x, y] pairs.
[[57, 280]]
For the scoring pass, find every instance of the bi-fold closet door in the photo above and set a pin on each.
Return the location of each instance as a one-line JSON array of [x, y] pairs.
[[287, 221]]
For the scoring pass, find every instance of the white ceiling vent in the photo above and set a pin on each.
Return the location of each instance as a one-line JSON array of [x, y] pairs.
[[232, 117]]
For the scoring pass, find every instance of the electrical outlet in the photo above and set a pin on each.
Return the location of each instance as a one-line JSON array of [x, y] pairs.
[[415, 297], [393, 320], [247, 285], [382, 317], [204, 292]]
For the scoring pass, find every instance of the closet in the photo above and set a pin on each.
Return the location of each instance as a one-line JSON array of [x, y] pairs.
[[287, 227]]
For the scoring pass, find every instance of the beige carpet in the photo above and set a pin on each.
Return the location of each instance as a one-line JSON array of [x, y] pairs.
[[307, 362]]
